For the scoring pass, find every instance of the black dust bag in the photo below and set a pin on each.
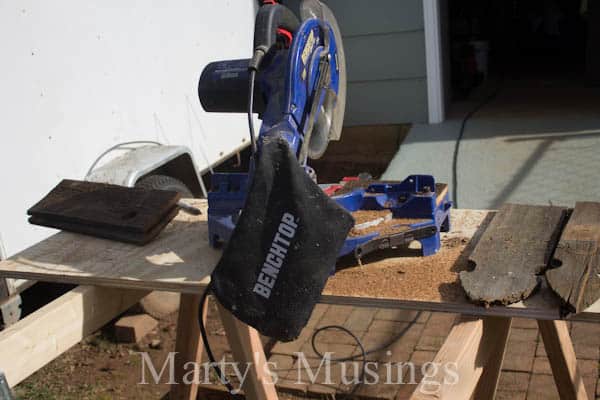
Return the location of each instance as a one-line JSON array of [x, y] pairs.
[[283, 248]]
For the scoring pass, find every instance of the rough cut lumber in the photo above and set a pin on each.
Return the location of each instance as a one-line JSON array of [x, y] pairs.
[[130, 215], [473, 345], [574, 275], [133, 328], [563, 362], [42, 336], [512, 251], [120, 235], [105, 205]]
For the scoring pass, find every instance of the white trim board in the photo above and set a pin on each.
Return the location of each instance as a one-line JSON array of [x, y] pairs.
[[434, 61]]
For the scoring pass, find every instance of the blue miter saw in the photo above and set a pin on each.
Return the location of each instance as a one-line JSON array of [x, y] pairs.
[[296, 82]]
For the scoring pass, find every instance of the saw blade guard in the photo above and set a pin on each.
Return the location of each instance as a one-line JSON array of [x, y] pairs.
[[330, 121]]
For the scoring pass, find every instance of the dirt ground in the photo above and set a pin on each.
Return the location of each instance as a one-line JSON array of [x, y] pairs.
[[98, 368]]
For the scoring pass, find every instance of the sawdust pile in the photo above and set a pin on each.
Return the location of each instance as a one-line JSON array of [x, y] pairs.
[[392, 275]]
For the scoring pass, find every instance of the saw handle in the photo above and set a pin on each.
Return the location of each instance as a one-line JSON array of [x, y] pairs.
[[270, 17]]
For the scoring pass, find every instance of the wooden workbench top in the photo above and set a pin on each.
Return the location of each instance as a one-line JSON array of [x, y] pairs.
[[181, 260]]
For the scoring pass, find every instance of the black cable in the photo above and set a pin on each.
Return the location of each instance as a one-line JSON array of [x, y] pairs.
[[459, 140], [363, 353], [209, 353], [250, 108], [358, 342]]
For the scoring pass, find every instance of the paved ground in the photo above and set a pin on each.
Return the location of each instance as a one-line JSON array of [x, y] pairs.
[[525, 374], [537, 142], [98, 368]]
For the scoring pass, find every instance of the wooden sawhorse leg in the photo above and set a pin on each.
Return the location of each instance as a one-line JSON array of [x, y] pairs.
[[473, 352], [561, 356], [188, 346], [244, 342], [247, 348], [477, 347]]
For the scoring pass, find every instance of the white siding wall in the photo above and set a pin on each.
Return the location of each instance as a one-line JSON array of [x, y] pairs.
[[80, 76]]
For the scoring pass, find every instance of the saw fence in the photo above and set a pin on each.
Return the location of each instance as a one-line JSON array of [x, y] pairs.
[[116, 275]]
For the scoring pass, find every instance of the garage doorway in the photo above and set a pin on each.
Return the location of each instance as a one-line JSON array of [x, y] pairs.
[[476, 43]]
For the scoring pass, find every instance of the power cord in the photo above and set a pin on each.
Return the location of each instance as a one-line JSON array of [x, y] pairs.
[[213, 363], [251, 80], [363, 353], [461, 133]]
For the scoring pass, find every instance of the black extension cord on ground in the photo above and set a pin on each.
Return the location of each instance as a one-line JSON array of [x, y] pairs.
[[363, 352], [461, 133]]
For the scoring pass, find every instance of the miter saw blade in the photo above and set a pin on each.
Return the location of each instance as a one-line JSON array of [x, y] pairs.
[[328, 125]]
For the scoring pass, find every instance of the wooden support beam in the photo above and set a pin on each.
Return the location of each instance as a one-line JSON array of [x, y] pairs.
[[472, 346], [561, 356], [246, 347], [188, 346], [42, 336], [488, 382]]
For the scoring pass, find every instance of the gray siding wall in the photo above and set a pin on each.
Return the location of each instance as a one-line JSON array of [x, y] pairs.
[[384, 42]]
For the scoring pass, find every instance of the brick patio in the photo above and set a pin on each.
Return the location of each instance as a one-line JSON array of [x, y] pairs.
[[525, 374]]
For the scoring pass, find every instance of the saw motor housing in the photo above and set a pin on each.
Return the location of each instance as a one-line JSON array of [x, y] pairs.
[[300, 86]]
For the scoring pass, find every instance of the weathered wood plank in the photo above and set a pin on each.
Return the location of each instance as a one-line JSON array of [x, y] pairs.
[[121, 235], [575, 277], [110, 211], [512, 251], [105, 205]]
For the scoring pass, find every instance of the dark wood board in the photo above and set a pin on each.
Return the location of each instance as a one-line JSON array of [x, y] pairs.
[[120, 235], [105, 207], [514, 249], [576, 263]]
